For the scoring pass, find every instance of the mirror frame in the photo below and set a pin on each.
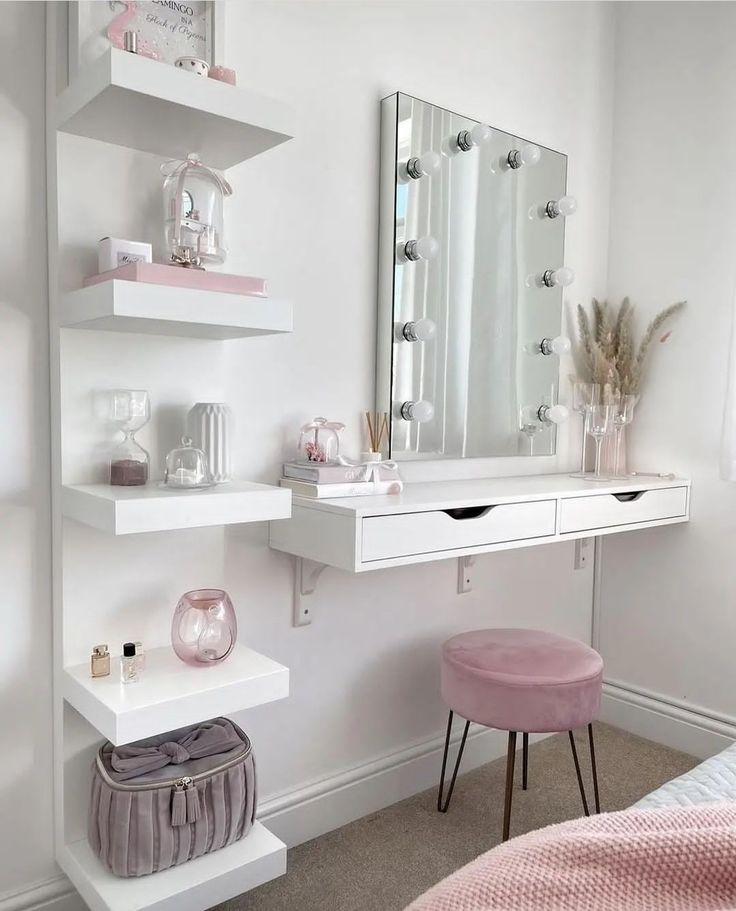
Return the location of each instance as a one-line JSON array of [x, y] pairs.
[[385, 335]]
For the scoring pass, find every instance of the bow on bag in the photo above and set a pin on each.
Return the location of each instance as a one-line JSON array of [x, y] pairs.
[[179, 169], [206, 740]]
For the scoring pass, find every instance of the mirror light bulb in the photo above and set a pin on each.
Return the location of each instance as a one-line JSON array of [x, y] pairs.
[[559, 345], [553, 414], [421, 330], [423, 248], [481, 134], [420, 411], [424, 166], [478, 135], [566, 205], [528, 154], [558, 278], [558, 414]]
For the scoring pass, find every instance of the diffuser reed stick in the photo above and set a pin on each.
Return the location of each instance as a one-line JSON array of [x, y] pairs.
[[377, 423]]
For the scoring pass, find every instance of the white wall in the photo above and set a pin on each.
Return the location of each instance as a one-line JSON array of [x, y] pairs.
[[25, 615], [668, 619], [364, 675]]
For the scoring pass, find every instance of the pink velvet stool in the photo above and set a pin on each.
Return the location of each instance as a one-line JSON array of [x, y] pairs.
[[521, 680]]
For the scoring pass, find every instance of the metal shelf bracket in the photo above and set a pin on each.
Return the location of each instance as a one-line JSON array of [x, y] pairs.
[[306, 575], [464, 577]]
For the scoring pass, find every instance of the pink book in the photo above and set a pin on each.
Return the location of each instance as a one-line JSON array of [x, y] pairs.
[[180, 277]]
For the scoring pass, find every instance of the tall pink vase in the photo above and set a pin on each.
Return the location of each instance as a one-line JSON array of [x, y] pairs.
[[204, 627]]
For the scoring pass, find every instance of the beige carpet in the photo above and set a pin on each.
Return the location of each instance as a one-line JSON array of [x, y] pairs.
[[383, 861]]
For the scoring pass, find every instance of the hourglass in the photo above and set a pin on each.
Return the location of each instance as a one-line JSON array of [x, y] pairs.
[[130, 409]]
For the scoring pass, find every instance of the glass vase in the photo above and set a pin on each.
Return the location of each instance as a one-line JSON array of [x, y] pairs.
[[614, 456], [608, 453], [204, 627]]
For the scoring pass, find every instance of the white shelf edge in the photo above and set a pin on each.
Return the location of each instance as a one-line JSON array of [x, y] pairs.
[[192, 886], [136, 510], [129, 100], [127, 306], [424, 496], [171, 694]]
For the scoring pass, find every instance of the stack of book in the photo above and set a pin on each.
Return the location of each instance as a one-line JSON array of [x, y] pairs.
[[324, 480]]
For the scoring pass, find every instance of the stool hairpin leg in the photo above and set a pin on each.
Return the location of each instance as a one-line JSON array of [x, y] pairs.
[[524, 760], [593, 766], [443, 808], [510, 756], [577, 772]]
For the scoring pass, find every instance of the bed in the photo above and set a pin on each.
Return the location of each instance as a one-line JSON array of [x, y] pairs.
[[714, 779], [674, 849]]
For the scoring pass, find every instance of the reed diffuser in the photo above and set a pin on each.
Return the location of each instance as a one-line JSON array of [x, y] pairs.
[[377, 424]]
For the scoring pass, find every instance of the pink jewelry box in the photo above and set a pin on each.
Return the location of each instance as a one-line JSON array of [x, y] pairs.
[[179, 277]]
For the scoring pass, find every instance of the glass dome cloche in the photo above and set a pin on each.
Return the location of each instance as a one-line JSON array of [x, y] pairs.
[[187, 468], [193, 212], [319, 441]]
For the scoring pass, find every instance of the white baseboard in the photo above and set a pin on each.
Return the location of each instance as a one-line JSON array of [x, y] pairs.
[[54, 895], [310, 811], [672, 722], [320, 807]]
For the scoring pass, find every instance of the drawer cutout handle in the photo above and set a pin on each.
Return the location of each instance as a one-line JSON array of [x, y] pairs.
[[467, 512], [629, 497]]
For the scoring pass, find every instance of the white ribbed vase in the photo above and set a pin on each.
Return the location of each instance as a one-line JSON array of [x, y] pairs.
[[209, 425]]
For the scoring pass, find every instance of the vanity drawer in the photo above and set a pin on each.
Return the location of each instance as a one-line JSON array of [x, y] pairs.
[[610, 509], [406, 534]]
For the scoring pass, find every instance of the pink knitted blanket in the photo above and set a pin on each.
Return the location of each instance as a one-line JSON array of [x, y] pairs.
[[679, 859]]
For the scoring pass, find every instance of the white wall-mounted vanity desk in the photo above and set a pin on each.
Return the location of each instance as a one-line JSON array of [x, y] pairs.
[[458, 519]]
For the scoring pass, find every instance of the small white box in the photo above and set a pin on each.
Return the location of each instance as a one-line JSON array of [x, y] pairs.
[[113, 252]]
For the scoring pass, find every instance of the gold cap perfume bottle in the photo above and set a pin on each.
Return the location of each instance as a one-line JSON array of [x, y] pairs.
[[100, 661]]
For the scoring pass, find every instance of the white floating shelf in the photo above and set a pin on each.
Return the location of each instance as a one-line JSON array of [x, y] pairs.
[[126, 306], [193, 886], [131, 101], [171, 694], [132, 510]]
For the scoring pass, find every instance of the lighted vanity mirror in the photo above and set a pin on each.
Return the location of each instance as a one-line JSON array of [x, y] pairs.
[[472, 271]]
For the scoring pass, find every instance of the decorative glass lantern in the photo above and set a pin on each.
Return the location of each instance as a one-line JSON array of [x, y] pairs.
[[193, 212]]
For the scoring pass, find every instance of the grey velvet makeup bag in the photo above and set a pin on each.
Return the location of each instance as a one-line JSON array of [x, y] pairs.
[[170, 798]]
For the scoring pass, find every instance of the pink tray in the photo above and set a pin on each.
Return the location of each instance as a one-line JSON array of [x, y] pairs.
[[179, 277]]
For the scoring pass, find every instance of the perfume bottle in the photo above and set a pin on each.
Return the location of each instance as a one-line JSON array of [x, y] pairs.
[[129, 664], [100, 661], [140, 656]]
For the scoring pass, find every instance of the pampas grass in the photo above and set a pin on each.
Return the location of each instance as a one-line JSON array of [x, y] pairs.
[[609, 352]]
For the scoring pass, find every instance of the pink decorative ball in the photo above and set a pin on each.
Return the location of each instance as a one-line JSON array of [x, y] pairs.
[[222, 74]]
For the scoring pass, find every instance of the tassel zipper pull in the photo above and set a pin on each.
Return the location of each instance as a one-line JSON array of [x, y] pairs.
[[185, 806], [193, 809]]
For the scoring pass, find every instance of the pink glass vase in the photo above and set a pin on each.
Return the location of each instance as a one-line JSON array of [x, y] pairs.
[[204, 627]]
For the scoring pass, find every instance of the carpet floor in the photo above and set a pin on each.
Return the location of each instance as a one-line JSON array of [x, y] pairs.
[[383, 861]]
